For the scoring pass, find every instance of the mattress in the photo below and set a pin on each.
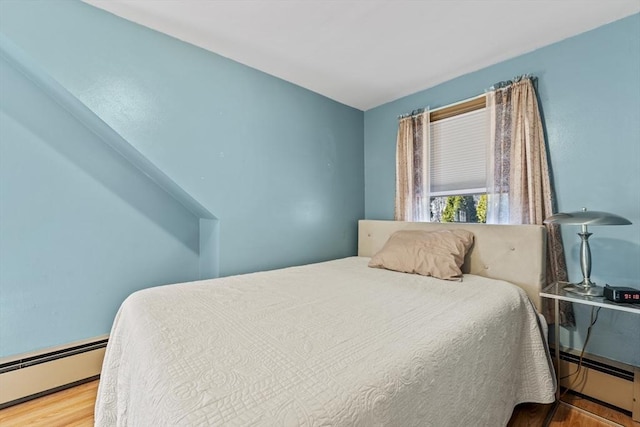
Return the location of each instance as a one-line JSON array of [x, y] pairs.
[[334, 343]]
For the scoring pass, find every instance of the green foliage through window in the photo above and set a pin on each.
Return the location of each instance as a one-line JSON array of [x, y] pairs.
[[481, 209], [467, 208], [452, 205]]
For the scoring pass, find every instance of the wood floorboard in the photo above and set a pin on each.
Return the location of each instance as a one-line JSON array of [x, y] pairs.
[[529, 415], [71, 407], [603, 411], [74, 408]]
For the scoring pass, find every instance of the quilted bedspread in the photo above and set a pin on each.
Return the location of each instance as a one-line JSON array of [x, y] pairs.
[[329, 344]]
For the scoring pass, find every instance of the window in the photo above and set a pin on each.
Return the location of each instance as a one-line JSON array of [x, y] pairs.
[[459, 136]]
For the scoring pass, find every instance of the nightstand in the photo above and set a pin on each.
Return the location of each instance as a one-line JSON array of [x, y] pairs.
[[557, 292]]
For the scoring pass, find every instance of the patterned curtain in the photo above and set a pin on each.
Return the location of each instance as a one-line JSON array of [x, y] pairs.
[[412, 180], [519, 186]]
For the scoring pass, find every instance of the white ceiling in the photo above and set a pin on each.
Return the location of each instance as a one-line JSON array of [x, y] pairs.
[[366, 53]]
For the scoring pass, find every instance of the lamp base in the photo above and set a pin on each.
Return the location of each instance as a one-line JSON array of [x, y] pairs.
[[586, 291]]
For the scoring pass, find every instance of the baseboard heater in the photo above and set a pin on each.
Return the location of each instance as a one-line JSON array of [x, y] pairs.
[[616, 384], [30, 376]]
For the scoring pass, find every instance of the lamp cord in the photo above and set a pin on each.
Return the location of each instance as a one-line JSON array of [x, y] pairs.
[[593, 320]]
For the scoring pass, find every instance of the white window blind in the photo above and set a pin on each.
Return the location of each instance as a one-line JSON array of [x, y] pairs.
[[458, 154]]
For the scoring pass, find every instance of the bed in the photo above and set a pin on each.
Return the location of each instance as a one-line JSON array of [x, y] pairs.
[[338, 343]]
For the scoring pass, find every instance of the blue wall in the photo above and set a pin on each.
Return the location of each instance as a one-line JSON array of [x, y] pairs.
[[80, 227], [589, 88], [281, 167]]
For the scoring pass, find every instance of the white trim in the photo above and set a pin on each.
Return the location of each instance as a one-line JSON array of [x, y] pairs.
[[458, 192], [426, 175], [459, 102]]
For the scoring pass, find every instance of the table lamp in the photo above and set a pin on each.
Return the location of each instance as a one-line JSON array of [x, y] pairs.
[[585, 218]]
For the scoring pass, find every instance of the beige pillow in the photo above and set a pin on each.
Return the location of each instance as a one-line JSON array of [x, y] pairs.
[[429, 253]]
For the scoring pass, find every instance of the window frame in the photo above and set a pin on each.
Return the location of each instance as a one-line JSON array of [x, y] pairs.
[[466, 106]]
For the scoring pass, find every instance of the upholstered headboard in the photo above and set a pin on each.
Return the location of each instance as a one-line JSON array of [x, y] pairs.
[[514, 253]]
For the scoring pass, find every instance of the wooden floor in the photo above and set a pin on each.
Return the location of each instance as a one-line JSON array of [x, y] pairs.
[[74, 407], [70, 407], [534, 415]]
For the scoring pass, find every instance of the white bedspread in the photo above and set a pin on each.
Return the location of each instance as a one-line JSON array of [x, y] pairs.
[[330, 344]]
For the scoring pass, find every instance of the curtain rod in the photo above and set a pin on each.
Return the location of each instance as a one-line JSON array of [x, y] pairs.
[[498, 85], [422, 110], [505, 83]]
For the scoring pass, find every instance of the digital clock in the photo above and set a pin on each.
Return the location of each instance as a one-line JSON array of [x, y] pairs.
[[619, 294]]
